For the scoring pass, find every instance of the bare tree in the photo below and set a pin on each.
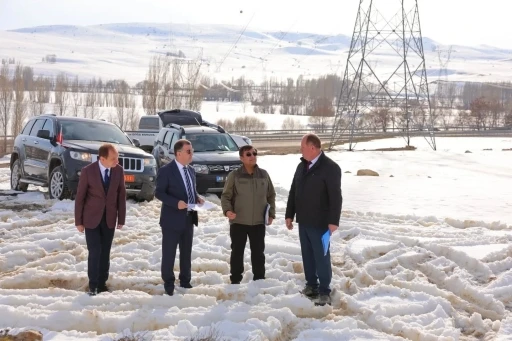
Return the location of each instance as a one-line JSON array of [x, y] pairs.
[[479, 111], [321, 112], [450, 93], [76, 96], [133, 116], [6, 96], [43, 89], [90, 109], [19, 109], [121, 103], [446, 118], [248, 123], [151, 86], [225, 123], [381, 119], [195, 97], [61, 94], [291, 123]]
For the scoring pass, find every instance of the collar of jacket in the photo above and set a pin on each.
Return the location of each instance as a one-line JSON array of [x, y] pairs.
[[244, 171], [320, 158]]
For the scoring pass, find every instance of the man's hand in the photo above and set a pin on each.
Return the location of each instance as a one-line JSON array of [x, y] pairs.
[[119, 227], [270, 220], [289, 224], [182, 205], [231, 215], [332, 228], [80, 228], [200, 200]]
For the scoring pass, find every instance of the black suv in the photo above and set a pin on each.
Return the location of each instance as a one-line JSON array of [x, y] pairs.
[[51, 152], [215, 153]]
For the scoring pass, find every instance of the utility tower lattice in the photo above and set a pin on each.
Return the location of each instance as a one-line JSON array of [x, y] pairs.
[[385, 81]]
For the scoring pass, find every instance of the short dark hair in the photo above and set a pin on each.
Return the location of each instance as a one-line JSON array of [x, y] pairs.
[[179, 145], [105, 150], [244, 149], [313, 140]]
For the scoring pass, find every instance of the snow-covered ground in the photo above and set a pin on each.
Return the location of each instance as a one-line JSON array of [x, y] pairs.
[[422, 255]]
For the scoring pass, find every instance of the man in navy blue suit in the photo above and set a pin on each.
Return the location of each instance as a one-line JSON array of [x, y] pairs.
[[176, 189]]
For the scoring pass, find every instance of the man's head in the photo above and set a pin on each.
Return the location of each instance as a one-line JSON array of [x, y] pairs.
[[310, 146], [248, 155], [109, 157], [183, 151]]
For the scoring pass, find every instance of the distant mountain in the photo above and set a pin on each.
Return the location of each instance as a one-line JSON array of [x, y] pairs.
[[123, 50]]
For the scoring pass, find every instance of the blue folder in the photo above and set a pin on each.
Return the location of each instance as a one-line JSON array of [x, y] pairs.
[[326, 238]]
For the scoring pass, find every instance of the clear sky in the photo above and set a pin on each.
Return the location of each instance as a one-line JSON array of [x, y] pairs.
[[467, 22]]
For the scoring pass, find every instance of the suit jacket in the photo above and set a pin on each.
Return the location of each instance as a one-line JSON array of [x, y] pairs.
[[315, 195], [170, 189], [91, 199]]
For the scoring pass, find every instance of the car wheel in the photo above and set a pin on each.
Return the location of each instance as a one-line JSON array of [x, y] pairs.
[[57, 187], [16, 185]]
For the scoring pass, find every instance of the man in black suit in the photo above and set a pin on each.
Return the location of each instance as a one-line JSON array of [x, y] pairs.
[[315, 197], [176, 189]]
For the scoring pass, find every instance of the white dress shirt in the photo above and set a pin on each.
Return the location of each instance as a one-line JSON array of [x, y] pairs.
[[102, 170], [182, 172], [315, 160]]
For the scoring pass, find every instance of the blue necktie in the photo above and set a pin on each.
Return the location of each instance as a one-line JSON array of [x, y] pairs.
[[190, 193], [107, 178]]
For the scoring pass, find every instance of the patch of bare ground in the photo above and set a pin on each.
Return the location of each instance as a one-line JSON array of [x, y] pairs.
[[391, 149], [284, 150]]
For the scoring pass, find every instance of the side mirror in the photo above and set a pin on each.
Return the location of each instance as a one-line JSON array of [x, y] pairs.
[[43, 134], [136, 142]]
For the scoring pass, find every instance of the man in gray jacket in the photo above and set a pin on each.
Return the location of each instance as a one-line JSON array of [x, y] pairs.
[[244, 199]]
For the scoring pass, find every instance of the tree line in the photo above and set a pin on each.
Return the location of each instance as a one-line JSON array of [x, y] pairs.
[[172, 82]]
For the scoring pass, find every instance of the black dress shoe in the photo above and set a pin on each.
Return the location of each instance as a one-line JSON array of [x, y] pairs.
[[186, 285], [103, 288], [169, 293], [92, 292]]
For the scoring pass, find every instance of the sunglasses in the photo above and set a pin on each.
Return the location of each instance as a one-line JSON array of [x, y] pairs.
[[249, 154]]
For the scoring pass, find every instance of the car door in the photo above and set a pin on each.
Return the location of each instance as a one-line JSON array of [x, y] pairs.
[[42, 148], [22, 147], [164, 151], [31, 164]]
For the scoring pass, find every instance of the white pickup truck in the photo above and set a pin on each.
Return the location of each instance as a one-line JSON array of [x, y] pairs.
[[150, 126]]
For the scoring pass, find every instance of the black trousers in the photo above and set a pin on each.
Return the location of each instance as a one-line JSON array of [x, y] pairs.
[[99, 242], [239, 234], [171, 239]]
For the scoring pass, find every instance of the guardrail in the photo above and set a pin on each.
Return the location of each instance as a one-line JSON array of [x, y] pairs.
[[289, 136], [296, 134]]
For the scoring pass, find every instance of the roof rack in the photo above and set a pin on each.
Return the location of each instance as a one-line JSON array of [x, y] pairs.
[[176, 126], [217, 127]]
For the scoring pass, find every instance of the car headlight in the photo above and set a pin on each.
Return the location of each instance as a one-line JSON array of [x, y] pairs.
[[201, 169], [149, 162], [81, 156]]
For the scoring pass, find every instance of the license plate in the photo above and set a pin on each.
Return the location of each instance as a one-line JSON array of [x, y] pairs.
[[220, 179], [129, 178]]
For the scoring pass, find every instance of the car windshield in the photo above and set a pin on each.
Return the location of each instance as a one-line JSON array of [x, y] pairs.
[[93, 131], [212, 142]]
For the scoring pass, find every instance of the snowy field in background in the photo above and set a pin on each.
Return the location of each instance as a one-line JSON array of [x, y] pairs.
[[422, 255]]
